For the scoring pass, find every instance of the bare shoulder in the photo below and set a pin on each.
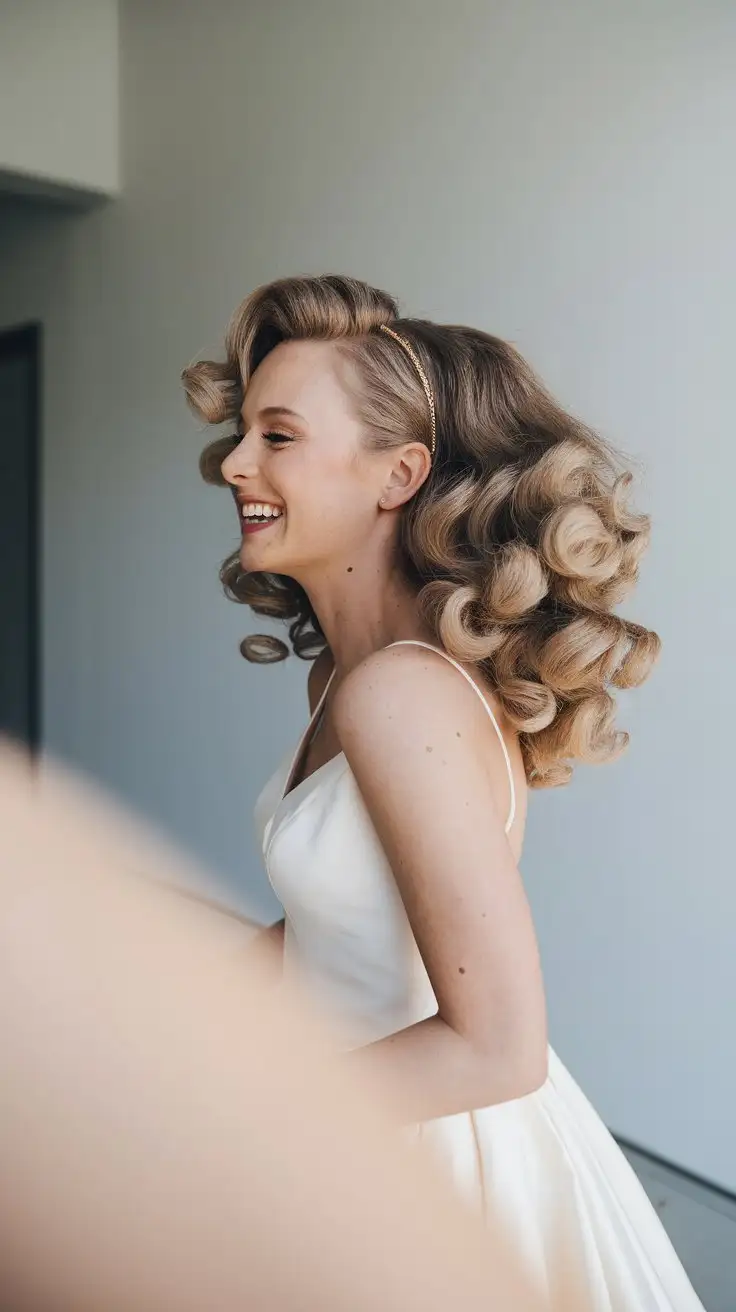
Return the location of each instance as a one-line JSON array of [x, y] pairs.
[[400, 690], [319, 676], [407, 715]]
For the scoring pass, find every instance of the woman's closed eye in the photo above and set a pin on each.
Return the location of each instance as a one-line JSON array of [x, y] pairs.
[[277, 439], [272, 436]]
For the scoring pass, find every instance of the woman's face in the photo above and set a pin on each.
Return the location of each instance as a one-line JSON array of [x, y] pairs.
[[306, 486]]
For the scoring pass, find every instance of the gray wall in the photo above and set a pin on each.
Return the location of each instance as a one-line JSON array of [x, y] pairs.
[[59, 125], [560, 174]]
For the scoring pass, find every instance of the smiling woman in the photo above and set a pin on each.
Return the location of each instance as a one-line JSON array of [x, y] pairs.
[[299, 449], [452, 546], [515, 538]]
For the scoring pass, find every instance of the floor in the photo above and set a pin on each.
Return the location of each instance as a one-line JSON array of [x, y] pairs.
[[701, 1222]]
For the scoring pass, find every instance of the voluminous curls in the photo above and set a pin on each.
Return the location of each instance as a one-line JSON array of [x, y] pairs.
[[520, 544]]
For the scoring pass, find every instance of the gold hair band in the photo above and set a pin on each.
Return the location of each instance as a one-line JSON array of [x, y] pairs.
[[423, 378]]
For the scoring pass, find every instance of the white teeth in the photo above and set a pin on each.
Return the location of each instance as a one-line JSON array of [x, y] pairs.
[[259, 510]]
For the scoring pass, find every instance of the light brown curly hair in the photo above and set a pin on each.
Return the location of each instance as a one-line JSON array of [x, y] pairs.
[[521, 541]]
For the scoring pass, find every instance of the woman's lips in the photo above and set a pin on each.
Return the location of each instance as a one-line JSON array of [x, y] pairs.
[[258, 528], [256, 515]]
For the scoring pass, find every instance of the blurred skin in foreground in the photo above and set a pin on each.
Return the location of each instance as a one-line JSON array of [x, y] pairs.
[[175, 1132]]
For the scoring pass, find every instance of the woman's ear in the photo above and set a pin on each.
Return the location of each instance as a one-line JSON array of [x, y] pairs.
[[406, 475]]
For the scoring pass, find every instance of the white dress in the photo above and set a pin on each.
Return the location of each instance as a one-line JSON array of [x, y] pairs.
[[556, 1177]]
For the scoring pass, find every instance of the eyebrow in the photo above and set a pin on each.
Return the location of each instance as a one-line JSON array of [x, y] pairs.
[[273, 412]]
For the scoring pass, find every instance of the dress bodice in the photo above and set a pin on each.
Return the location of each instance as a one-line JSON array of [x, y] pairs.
[[347, 933]]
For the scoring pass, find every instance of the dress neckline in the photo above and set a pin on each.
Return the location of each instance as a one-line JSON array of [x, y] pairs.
[[302, 748]]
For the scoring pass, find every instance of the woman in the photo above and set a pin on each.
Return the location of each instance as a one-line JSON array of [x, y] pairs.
[[450, 545]]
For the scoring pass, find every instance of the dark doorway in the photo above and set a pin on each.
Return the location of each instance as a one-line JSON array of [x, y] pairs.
[[20, 373]]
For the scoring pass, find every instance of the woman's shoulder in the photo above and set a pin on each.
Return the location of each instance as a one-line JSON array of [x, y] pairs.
[[407, 709], [412, 685], [414, 671]]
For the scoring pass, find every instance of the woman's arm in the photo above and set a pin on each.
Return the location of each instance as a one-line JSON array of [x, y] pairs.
[[170, 1128], [431, 772]]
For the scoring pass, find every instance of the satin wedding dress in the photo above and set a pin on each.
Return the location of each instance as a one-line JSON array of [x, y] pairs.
[[558, 1181]]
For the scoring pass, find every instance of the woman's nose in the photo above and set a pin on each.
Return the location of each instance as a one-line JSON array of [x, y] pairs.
[[240, 464]]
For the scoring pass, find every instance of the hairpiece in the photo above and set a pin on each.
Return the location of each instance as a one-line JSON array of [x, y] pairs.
[[423, 378]]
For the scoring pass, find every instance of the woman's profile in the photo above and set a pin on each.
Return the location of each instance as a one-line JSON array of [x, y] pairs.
[[450, 548]]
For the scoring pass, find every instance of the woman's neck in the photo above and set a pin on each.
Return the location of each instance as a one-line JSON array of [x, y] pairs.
[[363, 609]]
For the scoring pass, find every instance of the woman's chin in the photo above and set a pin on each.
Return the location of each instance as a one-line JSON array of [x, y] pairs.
[[258, 542], [250, 556], [256, 555]]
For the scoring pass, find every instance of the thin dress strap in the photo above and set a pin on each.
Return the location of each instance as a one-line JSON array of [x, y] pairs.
[[414, 642], [297, 760]]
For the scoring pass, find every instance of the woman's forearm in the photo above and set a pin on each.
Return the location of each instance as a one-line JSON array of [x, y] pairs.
[[430, 1071], [157, 1098]]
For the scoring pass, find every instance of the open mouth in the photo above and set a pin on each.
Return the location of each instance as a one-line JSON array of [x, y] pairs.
[[257, 515]]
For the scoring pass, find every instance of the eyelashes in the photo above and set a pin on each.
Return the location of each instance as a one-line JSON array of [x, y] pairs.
[[277, 439], [272, 437]]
